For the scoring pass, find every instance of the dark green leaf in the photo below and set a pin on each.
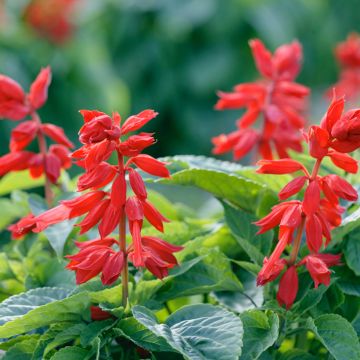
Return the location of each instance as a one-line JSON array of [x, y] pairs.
[[297, 354], [337, 335], [352, 252], [71, 353], [199, 332]]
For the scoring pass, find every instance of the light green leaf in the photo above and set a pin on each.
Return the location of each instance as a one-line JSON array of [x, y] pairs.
[[198, 332], [337, 335], [22, 350], [261, 330], [242, 227], [39, 307], [348, 224], [297, 354], [19, 180]]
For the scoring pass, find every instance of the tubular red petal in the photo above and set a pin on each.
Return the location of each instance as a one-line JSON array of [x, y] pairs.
[[137, 184], [154, 216], [344, 161], [52, 166], [341, 187], [282, 166], [262, 58], [23, 135], [151, 165], [39, 88], [56, 133], [136, 122], [288, 288], [311, 201], [318, 270], [313, 233], [118, 191], [110, 220], [112, 268], [292, 188], [94, 216]]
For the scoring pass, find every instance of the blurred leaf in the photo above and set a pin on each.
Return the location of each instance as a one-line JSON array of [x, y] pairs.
[[348, 224], [19, 180], [198, 332], [352, 252], [22, 350], [337, 335], [297, 354]]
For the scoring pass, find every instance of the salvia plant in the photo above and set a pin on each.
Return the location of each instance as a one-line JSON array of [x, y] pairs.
[[106, 267]]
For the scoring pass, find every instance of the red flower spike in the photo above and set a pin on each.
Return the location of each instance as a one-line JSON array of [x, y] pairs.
[[137, 184], [153, 216], [311, 201], [23, 135], [118, 191], [318, 270], [344, 161], [112, 269], [313, 233], [277, 98], [136, 122], [56, 134], [341, 187], [288, 288], [22, 227], [84, 203], [94, 216], [282, 166], [39, 88], [150, 165], [292, 188], [12, 99], [110, 220], [97, 177]]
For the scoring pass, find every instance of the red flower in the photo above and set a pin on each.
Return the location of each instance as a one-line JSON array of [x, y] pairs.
[[280, 100], [51, 18], [288, 287], [22, 227], [317, 266]]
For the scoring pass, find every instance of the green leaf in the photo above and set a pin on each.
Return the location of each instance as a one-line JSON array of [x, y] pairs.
[[22, 350], [93, 330], [19, 180], [218, 178], [141, 336], [198, 332], [348, 224], [39, 307], [9, 212], [352, 252], [337, 335], [248, 298], [71, 353], [241, 225], [261, 330], [211, 272], [297, 354]]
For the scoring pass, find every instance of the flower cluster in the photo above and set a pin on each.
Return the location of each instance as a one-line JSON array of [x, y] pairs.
[[276, 97], [16, 105], [319, 211], [348, 56], [51, 18], [107, 204]]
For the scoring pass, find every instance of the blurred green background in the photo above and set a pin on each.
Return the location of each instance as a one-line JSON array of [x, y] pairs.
[[169, 55]]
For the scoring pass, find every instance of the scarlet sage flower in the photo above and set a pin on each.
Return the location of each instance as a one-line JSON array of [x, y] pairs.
[[275, 98], [319, 211], [107, 204], [347, 54], [16, 105], [51, 19]]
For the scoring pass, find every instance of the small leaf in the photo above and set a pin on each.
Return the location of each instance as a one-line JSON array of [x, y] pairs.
[[198, 332], [337, 335], [19, 180], [22, 350], [261, 330], [71, 353], [297, 354]]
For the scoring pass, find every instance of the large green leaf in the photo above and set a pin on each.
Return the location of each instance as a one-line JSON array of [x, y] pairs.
[[22, 350], [19, 180], [242, 227], [337, 335], [218, 178], [261, 330], [352, 252], [348, 224], [71, 353], [141, 336], [39, 307], [198, 332], [209, 272]]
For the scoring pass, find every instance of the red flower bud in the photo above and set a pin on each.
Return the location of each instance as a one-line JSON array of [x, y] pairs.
[[288, 287], [39, 88]]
